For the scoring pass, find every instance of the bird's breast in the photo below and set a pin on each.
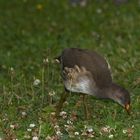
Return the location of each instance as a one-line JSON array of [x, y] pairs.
[[83, 86]]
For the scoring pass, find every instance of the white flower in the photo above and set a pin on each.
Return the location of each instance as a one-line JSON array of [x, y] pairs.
[[12, 126], [32, 125], [58, 133], [69, 122], [29, 130], [111, 136], [124, 131], [133, 126], [52, 93], [23, 113], [76, 133], [63, 114], [90, 130], [12, 69], [53, 113], [46, 60], [27, 137], [36, 82], [99, 11], [35, 138]]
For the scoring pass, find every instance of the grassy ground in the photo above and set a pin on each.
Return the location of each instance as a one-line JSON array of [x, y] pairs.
[[32, 33]]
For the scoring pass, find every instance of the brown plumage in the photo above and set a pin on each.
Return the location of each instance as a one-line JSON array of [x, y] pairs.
[[88, 72], [92, 61]]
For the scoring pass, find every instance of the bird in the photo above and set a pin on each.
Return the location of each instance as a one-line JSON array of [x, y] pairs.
[[87, 72]]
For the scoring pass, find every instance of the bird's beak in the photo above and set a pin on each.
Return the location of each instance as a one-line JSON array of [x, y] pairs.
[[127, 107]]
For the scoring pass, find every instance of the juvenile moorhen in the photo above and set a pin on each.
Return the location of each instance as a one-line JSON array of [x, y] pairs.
[[85, 71]]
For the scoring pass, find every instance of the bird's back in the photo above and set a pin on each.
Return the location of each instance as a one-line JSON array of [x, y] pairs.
[[91, 61]]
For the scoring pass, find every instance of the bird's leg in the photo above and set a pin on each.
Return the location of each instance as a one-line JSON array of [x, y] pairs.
[[87, 114], [61, 101]]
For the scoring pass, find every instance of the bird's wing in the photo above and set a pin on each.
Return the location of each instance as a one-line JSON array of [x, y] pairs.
[[91, 61]]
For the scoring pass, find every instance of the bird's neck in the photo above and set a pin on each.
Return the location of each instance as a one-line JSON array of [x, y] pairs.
[[102, 93], [107, 92]]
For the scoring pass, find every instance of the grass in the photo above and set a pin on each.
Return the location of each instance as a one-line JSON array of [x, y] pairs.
[[33, 33]]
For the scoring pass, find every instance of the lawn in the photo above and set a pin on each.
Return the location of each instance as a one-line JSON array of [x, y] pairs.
[[32, 33]]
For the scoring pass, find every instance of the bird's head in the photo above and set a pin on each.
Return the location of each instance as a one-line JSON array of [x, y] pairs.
[[121, 96]]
